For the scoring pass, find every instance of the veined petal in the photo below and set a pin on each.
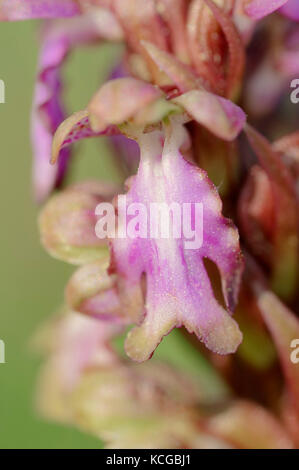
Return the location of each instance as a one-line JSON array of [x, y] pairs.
[[13, 10], [257, 9], [177, 287], [222, 117]]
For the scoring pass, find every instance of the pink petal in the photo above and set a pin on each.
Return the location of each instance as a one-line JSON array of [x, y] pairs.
[[249, 426], [222, 117], [178, 289]]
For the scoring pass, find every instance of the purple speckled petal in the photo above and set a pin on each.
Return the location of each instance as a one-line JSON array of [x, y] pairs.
[[257, 9], [13, 10], [291, 10], [178, 288]]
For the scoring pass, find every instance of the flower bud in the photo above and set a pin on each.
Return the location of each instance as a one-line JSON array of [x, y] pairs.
[[67, 223]]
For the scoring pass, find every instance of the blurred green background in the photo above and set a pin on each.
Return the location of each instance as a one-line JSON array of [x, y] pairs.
[[31, 282]]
